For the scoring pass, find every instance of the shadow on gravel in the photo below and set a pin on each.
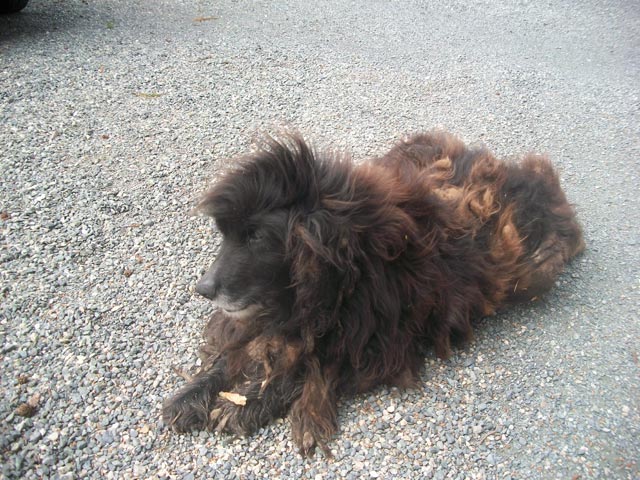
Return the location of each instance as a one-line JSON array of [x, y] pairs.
[[40, 20]]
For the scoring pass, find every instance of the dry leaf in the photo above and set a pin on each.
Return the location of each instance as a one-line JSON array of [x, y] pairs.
[[148, 94], [34, 400], [234, 398], [28, 409], [186, 375], [204, 19], [25, 410]]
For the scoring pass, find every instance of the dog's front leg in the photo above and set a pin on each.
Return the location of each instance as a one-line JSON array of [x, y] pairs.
[[254, 404], [190, 408], [314, 414]]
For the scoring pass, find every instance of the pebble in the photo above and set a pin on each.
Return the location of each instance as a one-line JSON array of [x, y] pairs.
[[107, 438]]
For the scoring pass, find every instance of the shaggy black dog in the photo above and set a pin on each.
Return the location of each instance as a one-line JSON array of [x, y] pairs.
[[332, 276]]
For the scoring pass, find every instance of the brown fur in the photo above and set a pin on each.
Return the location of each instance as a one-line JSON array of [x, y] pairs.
[[342, 273]]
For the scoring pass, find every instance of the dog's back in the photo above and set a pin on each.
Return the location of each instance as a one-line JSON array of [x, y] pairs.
[[516, 213]]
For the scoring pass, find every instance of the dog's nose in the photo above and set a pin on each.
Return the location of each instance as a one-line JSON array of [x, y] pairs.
[[206, 287]]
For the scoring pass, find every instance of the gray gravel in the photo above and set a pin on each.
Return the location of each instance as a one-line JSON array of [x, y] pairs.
[[114, 117]]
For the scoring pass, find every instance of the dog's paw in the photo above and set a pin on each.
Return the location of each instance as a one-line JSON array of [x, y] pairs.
[[308, 435], [234, 419], [187, 411]]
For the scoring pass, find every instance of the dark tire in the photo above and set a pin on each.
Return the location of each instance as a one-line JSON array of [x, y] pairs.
[[12, 6]]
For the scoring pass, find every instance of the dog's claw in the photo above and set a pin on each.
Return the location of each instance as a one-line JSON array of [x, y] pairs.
[[214, 414], [222, 423], [175, 419], [308, 444]]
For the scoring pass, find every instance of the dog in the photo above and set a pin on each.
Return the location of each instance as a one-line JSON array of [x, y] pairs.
[[332, 277]]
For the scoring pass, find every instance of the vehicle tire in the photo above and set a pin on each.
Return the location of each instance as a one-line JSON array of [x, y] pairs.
[[12, 6]]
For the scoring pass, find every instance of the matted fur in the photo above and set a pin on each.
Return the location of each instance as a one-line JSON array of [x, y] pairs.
[[333, 276]]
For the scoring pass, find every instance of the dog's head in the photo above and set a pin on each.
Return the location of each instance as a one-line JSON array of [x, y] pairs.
[[297, 230], [257, 206], [250, 270]]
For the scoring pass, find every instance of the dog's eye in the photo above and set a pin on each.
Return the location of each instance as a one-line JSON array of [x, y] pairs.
[[254, 235]]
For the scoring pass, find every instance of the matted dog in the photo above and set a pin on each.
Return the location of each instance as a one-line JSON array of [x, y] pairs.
[[332, 276]]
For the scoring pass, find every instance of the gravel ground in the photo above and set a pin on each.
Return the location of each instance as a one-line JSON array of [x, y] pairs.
[[115, 116]]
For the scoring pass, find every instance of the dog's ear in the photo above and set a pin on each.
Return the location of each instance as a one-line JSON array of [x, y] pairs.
[[323, 270], [349, 232]]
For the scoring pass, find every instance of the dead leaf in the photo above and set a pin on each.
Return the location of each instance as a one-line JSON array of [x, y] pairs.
[[202, 59], [204, 19], [25, 410], [28, 409], [235, 398], [34, 400], [186, 375], [148, 94], [5, 216]]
